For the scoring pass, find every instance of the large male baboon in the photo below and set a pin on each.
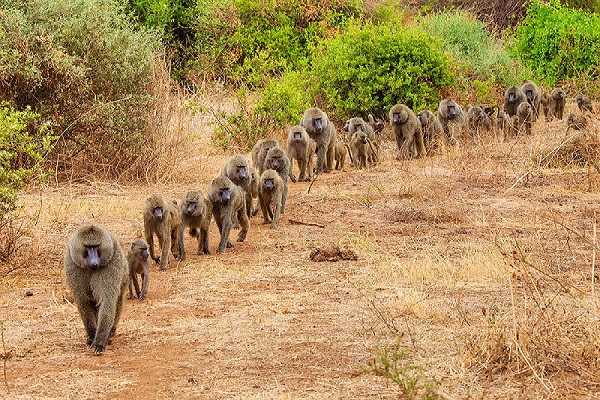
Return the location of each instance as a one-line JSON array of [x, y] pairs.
[[300, 147], [556, 104], [340, 154], [259, 153], [584, 103], [196, 213], [431, 128], [277, 160], [270, 195], [359, 147], [526, 116], [322, 131], [163, 218], [238, 170], [513, 96], [137, 258], [96, 273], [452, 118], [533, 95], [228, 202], [407, 131]]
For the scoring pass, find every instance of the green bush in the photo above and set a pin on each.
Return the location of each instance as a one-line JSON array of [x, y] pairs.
[[79, 64], [370, 68], [558, 42], [285, 99]]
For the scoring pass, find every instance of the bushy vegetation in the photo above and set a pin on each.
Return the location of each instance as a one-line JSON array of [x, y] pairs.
[[558, 42]]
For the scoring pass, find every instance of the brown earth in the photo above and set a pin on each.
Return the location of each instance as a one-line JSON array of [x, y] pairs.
[[474, 262]]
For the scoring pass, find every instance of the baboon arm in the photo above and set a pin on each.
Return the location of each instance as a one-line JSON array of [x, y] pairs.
[[106, 319], [225, 228], [145, 283], [321, 152], [181, 244]]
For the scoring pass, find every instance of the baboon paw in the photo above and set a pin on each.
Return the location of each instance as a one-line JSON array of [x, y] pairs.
[[130, 297], [273, 226], [97, 348], [142, 296], [163, 268], [229, 245]]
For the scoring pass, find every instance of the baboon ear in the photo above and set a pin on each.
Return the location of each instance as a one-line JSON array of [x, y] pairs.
[[132, 246]]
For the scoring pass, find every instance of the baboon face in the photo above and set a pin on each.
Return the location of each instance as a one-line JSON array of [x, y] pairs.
[[241, 172], [399, 118], [193, 204], [579, 99], [94, 252], [559, 94], [316, 119], [452, 112], [221, 190], [318, 125], [529, 94], [361, 137], [269, 183], [140, 249], [422, 117], [275, 159], [511, 94], [297, 134], [156, 206]]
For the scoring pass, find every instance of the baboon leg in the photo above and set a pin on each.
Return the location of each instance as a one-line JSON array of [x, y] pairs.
[[224, 228], [89, 316], [321, 152], [150, 239], [276, 212], [105, 326], [249, 204], [175, 243], [203, 241], [133, 282], [145, 283], [265, 210], [329, 160], [421, 152], [182, 253], [245, 223], [164, 256], [284, 197], [302, 166]]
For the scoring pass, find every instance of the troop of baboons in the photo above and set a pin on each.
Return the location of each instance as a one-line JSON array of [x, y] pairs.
[[97, 270]]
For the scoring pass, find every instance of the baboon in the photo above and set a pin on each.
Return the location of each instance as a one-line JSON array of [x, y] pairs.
[[503, 125], [376, 125], [358, 124], [196, 213], [512, 98], [340, 154], [322, 131], [431, 128], [533, 95], [556, 105], [163, 218], [301, 148], [254, 185], [478, 120], [238, 170], [96, 273], [137, 258], [277, 160], [545, 105], [577, 122], [270, 195], [514, 125], [228, 202], [491, 110], [407, 130], [359, 146], [452, 118], [584, 103], [259, 153], [526, 116]]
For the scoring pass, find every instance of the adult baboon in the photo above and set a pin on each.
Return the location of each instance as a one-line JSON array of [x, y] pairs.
[[452, 118], [96, 273], [196, 213], [407, 130], [277, 160], [576, 122], [301, 148], [556, 105], [512, 98], [322, 131], [533, 95], [163, 218], [526, 116], [259, 153], [431, 128], [137, 258], [359, 147], [270, 195], [478, 120], [228, 202], [238, 170], [584, 103], [340, 154]]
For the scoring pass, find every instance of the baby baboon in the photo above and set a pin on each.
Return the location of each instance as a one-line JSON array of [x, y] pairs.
[[584, 103], [478, 120], [512, 98], [431, 128], [301, 148], [340, 154], [526, 116], [452, 118], [533, 95], [556, 105], [196, 212], [407, 130], [359, 146], [163, 218], [228, 202], [238, 170], [96, 273], [259, 153], [277, 160], [137, 257], [577, 122], [322, 131], [270, 195]]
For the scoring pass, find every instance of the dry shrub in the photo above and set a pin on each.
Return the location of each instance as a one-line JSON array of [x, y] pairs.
[[15, 245], [582, 149]]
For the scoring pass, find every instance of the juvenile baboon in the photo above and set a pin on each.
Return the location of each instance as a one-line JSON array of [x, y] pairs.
[[377, 126], [96, 273], [576, 122], [340, 154], [196, 213], [545, 105], [514, 125], [259, 153], [556, 105], [512, 98], [359, 146], [228, 202], [452, 118], [491, 110], [163, 218], [358, 124], [431, 128], [584, 103], [254, 185], [277, 160], [407, 131], [322, 131], [478, 120], [503, 126], [137, 258], [270, 195], [238, 170], [533, 95], [526, 116], [301, 148]]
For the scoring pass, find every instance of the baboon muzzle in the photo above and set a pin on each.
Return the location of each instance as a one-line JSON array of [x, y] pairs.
[[158, 213], [92, 257]]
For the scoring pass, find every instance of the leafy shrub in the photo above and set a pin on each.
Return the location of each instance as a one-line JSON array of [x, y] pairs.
[[78, 64], [558, 42], [285, 99], [369, 68]]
